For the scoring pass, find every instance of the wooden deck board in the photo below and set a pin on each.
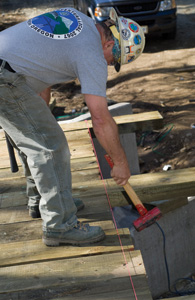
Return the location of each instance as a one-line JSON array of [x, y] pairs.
[[118, 288], [126, 294], [71, 273], [150, 187], [32, 230], [77, 164], [16, 211], [29, 268], [79, 144], [32, 251], [127, 123]]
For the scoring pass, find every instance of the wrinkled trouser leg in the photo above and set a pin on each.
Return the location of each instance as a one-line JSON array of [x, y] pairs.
[[30, 124], [31, 190]]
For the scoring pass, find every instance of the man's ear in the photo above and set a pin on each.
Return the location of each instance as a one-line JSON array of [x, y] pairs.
[[108, 44]]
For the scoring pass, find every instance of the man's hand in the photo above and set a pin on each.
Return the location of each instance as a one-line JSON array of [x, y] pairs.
[[120, 174]]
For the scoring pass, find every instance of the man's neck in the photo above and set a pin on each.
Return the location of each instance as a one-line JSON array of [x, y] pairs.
[[101, 32]]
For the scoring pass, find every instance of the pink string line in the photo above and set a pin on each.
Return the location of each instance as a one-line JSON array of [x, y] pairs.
[[114, 220]]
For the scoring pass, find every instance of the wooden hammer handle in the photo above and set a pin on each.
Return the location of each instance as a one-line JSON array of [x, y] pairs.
[[130, 192], [135, 199]]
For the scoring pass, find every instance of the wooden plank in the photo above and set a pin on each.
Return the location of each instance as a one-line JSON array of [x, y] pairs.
[[86, 175], [72, 273], [88, 214], [170, 204], [26, 264], [141, 293], [81, 151], [14, 214], [18, 183], [79, 143], [32, 230], [83, 163], [78, 149], [13, 189], [77, 164], [157, 186], [78, 137], [12, 195], [16, 211], [35, 251], [120, 288], [126, 124], [149, 187], [146, 121], [5, 161], [13, 199], [7, 173], [164, 205]]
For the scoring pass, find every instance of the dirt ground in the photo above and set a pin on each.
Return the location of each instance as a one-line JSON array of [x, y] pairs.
[[162, 79]]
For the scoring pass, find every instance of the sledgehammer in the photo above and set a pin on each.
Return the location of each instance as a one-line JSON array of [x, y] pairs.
[[146, 218]]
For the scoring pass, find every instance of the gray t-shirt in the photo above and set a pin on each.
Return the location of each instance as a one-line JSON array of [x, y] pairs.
[[57, 47]]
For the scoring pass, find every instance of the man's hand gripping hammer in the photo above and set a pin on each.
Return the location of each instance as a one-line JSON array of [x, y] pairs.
[[146, 218]]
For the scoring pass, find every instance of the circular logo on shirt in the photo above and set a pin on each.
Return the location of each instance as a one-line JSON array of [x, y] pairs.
[[60, 24]]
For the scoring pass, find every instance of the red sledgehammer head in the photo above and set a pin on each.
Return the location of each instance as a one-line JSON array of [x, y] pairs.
[[148, 219]]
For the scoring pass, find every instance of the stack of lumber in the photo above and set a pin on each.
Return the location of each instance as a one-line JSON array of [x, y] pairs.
[[110, 269]]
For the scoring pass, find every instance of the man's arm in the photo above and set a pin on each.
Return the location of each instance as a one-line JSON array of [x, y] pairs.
[[106, 132]]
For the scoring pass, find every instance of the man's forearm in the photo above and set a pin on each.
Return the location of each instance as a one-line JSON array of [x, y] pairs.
[[108, 137], [106, 132]]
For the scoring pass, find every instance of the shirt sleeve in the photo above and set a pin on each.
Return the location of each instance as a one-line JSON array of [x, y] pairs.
[[92, 74]]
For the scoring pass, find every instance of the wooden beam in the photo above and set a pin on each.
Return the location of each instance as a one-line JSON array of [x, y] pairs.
[[32, 229], [33, 251], [168, 205], [79, 144], [126, 124], [142, 293], [14, 209], [118, 288], [77, 164], [149, 187], [76, 274]]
